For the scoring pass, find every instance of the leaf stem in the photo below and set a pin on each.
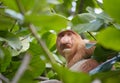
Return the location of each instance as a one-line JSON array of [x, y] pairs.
[[20, 7], [91, 35]]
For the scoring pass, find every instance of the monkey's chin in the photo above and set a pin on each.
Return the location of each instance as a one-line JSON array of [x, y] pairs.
[[67, 51]]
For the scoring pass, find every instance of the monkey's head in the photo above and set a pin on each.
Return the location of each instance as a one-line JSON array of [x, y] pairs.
[[68, 42]]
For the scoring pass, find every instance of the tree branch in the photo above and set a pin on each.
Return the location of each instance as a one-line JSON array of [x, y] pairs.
[[35, 34], [41, 78], [22, 68], [2, 78], [41, 43]]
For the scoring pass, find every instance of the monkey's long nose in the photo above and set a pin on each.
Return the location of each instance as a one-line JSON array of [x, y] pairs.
[[65, 40]]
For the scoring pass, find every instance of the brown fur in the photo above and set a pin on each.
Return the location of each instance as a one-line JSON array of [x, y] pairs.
[[72, 47]]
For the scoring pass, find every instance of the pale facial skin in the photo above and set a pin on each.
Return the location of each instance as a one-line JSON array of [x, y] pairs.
[[68, 43]]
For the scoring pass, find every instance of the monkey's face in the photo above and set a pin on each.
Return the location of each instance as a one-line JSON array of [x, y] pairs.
[[68, 42]]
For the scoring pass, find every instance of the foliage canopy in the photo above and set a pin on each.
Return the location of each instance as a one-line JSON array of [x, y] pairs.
[[28, 31]]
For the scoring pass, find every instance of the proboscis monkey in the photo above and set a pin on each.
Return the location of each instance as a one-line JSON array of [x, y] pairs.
[[72, 47]]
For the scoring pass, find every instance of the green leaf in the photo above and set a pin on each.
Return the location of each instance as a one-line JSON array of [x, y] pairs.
[[5, 58], [1, 54], [11, 39], [64, 8], [112, 8], [68, 76], [92, 26], [36, 49], [12, 68], [110, 38], [34, 6], [5, 23], [48, 22], [23, 32], [117, 65], [116, 25], [30, 4], [50, 74], [11, 4], [82, 18], [108, 77], [14, 15], [102, 54], [55, 1], [25, 44], [35, 69], [104, 17], [80, 8], [50, 39]]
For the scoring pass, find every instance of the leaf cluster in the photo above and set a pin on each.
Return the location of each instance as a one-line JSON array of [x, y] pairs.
[[28, 28]]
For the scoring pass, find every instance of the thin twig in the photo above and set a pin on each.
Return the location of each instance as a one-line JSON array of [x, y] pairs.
[[35, 34], [3, 78], [41, 43], [91, 35], [21, 8], [41, 78], [22, 68], [80, 9], [13, 25]]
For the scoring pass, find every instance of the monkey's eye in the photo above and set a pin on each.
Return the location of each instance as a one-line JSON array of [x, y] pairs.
[[69, 34], [61, 35]]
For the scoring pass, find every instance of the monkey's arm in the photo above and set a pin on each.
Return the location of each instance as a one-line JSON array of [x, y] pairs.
[[84, 65]]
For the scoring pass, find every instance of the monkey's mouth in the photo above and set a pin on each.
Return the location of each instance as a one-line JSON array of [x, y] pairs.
[[66, 46]]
